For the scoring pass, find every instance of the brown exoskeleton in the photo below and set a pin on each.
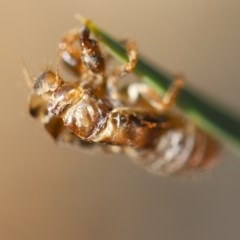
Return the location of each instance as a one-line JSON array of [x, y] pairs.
[[102, 107]]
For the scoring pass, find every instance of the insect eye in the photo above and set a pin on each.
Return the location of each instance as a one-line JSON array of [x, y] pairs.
[[45, 82]]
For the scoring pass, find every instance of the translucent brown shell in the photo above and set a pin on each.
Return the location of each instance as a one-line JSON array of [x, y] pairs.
[[105, 107]]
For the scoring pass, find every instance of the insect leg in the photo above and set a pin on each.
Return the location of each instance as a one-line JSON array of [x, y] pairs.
[[153, 98], [132, 55], [171, 95], [70, 51], [112, 83], [92, 56]]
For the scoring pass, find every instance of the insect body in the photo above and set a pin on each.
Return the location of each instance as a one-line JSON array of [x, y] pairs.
[[103, 108]]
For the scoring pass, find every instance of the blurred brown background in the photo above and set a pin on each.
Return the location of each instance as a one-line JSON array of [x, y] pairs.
[[49, 192]]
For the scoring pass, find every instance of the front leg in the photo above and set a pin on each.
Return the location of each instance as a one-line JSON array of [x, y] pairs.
[[70, 51]]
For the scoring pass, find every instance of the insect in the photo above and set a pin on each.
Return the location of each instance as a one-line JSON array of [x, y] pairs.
[[104, 107]]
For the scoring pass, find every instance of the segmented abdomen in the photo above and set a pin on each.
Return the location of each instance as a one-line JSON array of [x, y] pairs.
[[178, 151]]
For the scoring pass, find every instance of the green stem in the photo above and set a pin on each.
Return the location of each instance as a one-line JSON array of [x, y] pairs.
[[209, 116]]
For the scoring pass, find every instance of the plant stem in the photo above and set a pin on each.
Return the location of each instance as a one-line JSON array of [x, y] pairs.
[[212, 118]]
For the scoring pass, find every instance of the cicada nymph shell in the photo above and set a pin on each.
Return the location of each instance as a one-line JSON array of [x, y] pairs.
[[104, 107]]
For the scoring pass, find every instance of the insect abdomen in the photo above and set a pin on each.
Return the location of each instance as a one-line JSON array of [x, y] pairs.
[[178, 150]]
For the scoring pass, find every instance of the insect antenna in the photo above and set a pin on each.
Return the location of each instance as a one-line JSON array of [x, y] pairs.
[[29, 80], [59, 52]]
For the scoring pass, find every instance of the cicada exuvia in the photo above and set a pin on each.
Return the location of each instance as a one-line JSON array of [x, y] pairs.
[[104, 107]]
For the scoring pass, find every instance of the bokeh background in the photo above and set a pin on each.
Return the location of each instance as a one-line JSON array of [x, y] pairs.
[[50, 192]]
